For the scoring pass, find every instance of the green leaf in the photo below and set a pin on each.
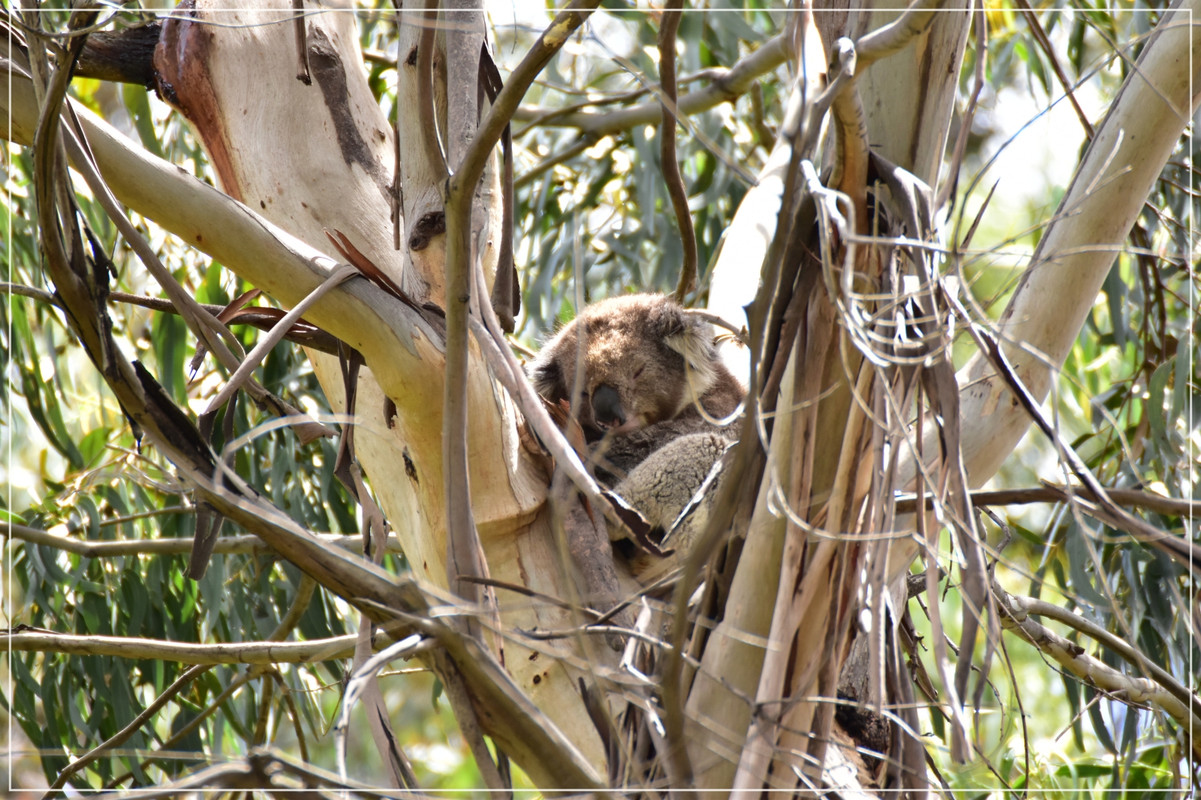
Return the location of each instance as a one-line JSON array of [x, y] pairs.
[[1115, 292], [170, 344], [1079, 559], [1071, 688], [1180, 386], [138, 103], [1098, 721], [1155, 405]]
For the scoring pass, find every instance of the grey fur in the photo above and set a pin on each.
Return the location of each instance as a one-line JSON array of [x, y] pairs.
[[651, 388], [665, 487]]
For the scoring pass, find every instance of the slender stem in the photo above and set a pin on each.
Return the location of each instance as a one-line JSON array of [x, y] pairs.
[[464, 556], [121, 736], [729, 85], [196, 654], [668, 158]]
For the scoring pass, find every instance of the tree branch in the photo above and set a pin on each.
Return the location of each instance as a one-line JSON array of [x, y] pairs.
[[895, 36], [668, 159], [464, 556], [1052, 493], [729, 85], [110, 548], [1162, 689], [123, 56], [138, 648]]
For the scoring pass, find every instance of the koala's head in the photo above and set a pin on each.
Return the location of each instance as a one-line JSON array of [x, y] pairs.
[[640, 359]]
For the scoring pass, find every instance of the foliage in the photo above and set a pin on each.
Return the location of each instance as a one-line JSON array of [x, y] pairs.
[[592, 218]]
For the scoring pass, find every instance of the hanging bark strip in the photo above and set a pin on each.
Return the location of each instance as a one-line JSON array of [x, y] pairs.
[[506, 288]]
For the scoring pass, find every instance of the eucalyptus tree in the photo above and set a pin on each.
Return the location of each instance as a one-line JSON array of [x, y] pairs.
[[808, 189]]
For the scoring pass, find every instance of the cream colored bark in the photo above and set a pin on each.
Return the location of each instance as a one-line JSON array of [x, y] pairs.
[[307, 159], [340, 181], [1106, 195]]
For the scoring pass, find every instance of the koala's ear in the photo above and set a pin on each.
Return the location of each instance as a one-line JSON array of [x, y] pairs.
[[693, 339], [547, 376]]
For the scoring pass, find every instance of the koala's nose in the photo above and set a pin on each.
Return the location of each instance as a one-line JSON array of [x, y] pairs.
[[606, 407]]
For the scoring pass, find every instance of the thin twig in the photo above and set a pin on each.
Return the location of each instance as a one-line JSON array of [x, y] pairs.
[[947, 191], [260, 317], [1052, 493], [549, 163], [597, 100], [263, 347], [198, 654], [184, 731], [121, 736], [198, 320], [110, 548], [1044, 44]]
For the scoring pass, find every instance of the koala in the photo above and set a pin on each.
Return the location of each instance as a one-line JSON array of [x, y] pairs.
[[648, 373], [651, 393]]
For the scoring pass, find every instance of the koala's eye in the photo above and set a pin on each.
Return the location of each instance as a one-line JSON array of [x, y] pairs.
[[638, 372]]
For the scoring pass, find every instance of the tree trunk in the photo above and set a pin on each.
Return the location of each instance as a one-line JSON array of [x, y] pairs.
[[319, 158], [328, 167]]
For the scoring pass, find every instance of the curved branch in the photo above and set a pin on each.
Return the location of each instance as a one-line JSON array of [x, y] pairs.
[[1021, 606], [728, 86], [668, 158], [893, 37], [506, 104], [1161, 689], [464, 556]]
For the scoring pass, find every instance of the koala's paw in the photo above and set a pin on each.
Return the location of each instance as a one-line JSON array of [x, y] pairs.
[[663, 485]]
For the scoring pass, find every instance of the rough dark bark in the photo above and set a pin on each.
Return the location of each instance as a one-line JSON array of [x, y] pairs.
[[125, 56]]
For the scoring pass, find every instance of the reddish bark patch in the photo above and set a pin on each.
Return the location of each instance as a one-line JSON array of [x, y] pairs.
[[181, 65]]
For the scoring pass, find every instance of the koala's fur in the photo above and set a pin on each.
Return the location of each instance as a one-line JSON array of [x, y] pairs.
[[648, 373], [673, 487], [651, 390]]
